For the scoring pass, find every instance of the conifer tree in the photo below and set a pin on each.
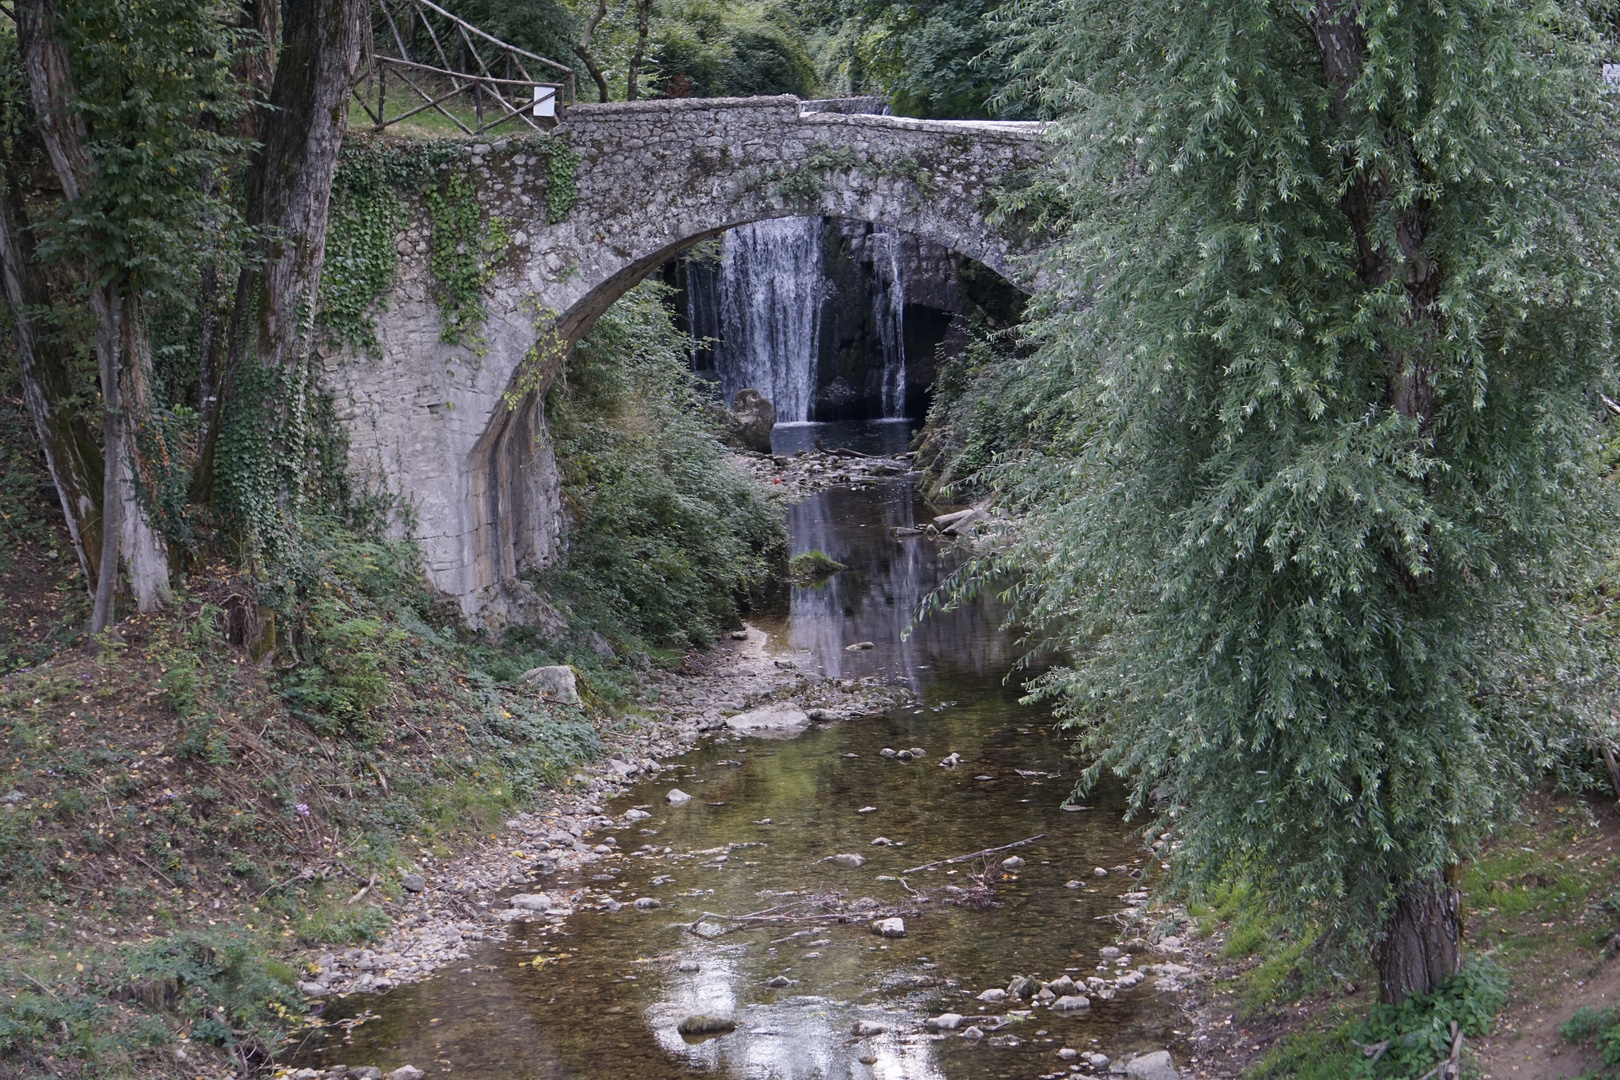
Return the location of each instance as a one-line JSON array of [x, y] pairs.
[[1322, 342]]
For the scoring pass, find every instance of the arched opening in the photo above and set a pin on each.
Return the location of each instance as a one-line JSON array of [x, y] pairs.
[[830, 318]]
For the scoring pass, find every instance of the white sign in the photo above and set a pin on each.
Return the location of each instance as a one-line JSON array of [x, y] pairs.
[[545, 101]]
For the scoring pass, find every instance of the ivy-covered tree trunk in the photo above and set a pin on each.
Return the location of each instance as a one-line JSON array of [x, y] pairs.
[[69, 446], [632, 90], [264, 385], [124, 363]]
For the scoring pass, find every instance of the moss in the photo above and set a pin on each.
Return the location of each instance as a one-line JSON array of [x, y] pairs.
[[812, 567]]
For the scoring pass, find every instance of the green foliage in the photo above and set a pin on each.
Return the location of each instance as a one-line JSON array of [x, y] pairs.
[[1322, 632], [1599, 1026], [157, 202], [467, 249], [705, 48], [666, 536], [926, 57], [1419, 1028], [221, 982], [361, 258]]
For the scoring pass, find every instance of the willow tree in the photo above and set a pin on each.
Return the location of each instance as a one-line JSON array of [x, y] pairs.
[[1322, 344]]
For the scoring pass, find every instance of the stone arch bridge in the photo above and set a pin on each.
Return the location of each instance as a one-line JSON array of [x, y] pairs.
[[475, 478]]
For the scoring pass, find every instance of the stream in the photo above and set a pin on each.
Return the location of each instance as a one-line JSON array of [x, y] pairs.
[[600, 995]]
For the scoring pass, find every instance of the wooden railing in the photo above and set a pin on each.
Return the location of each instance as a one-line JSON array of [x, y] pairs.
[[420, 59]]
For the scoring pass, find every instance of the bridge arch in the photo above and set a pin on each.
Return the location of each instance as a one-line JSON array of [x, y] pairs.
[[431, 423]]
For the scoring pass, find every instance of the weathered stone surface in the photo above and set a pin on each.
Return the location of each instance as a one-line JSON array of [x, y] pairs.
[[1154, 1066], [554, 683], [771, 722], [475, 480], [750, 420]]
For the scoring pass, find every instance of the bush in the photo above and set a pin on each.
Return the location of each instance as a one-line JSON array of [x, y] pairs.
[[667, 539], [1419, 1028]]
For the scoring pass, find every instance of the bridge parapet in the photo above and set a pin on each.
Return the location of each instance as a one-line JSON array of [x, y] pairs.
[[429, 422]]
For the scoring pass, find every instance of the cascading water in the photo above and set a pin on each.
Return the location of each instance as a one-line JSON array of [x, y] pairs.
[[770, 312], [889, 313]]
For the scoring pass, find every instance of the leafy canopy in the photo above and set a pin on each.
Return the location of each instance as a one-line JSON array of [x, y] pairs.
[[1324, 636]]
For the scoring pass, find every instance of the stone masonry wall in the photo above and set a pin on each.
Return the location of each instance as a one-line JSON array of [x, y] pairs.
[[476, 481]]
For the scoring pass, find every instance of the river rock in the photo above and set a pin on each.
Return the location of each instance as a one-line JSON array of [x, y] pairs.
[[890, 928], [554, 683], [779, 982], [918, 752], [951, 760], [704, 1024], [771, 722], [1068, 1053], [1108, 952], [1099, 872], [1023, 986], [677, 797], [973, 1034], [647, 903], [708, 931], [1013, 862], [413, 883], [530, 902], [636, 815], [611, 906], [888, 752], [1071, 1003], [1005, 1042], [882, 841], [849, 860], [691, 967], [406, 1072], [860, 646], [995, 993], [866, 1028], [364, 1072], [1062, 986], [1154, 1066], [750, 420], [943, 1022], [1074, 884]]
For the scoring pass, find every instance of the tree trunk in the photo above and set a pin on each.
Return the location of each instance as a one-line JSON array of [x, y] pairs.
[[643, 27], [289, 192], [582, 49], [1422, 941], [123, 376], [69, 446]]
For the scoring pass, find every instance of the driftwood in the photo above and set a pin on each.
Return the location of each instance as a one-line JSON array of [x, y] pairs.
[[974, 854]]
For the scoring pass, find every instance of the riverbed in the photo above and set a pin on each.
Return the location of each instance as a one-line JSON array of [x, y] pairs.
[[600, 993]]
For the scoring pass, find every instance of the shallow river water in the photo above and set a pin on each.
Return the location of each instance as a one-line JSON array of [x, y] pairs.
[[605, 1000]]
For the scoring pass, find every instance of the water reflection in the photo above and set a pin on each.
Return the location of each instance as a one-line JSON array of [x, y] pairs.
[[608, 999]]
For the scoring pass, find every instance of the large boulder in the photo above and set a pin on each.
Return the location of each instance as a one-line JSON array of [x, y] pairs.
[[554, 683], [1154, 1066], [750, 420]]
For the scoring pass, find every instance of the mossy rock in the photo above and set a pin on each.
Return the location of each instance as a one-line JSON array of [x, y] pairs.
[[706, 1025], [812, 567]]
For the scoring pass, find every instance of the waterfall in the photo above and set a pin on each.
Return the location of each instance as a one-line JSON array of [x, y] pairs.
[[889, 313], [770, 313]]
